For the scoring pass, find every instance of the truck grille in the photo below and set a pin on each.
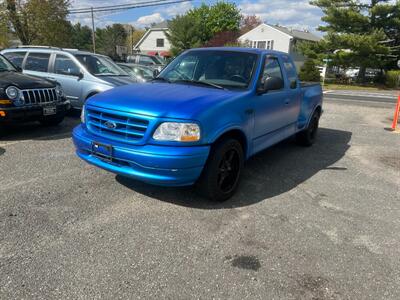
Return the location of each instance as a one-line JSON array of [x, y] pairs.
[[39, 96], [116, 126]]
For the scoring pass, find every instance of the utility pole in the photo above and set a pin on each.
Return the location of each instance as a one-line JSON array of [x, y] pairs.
[[93, 32], [131, 40]]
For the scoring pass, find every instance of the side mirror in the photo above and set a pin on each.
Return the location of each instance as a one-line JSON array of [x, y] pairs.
[[80, 76], [155, 73], [270, 84], [19, 69]]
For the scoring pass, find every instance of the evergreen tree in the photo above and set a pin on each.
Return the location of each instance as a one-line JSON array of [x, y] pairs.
[[309, 71], [357, 33]]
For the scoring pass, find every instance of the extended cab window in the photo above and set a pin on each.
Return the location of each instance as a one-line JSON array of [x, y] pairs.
[[37, 62], [16, 58], [291, 72], [272, 68], [64, 65]]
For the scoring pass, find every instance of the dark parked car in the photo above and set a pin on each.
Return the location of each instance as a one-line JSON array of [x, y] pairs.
[[138, 72], [26, 98], [151, 61]]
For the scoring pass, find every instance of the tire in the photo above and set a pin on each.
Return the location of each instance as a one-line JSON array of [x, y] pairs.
[[52, 121], [2, 131], [308, 136], [221, 174]]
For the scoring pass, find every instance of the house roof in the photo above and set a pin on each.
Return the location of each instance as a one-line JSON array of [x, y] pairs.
[[161, 25], [294, 33], [298, 34]]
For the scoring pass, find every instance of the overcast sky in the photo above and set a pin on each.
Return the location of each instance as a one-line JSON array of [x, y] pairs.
[[296, 14]]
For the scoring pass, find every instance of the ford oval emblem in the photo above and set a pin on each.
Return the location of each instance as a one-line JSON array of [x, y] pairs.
[[110, 125]]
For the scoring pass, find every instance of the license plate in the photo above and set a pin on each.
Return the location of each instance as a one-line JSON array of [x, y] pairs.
[[102, 151], [49, 110]]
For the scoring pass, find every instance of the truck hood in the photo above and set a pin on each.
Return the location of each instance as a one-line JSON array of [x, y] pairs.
[[23, 81], [167, 100], [118, 80]]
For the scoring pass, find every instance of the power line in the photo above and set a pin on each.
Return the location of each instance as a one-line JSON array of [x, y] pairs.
[[125, 6], [112, 6]]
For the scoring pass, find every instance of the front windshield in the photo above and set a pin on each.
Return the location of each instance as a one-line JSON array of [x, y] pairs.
[[5, 65], [100, 65], [228, 69]]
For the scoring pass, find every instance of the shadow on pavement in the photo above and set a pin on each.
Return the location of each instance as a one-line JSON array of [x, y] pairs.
[[270, 173], [36, 131]]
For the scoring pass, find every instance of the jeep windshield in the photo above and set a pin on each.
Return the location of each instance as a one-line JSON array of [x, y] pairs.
[[6, 66], [212, 68], [100, 65]]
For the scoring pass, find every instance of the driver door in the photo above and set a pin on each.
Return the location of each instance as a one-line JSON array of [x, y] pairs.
[[270, 117]]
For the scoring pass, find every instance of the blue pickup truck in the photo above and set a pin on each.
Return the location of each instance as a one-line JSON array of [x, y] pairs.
[[199, 120]]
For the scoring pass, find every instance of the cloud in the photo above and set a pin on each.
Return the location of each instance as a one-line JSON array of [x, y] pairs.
[[295, 14], [180, 9], [148, 20]]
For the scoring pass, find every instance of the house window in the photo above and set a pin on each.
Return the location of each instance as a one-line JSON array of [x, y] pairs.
[[272, 45], [261, 44], [160, 42]]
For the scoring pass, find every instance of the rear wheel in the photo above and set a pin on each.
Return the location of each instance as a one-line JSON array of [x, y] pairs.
[[308, 136], [220, 177]]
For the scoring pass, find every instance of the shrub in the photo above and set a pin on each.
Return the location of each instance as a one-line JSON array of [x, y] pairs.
[[393, 79], [309, 71]]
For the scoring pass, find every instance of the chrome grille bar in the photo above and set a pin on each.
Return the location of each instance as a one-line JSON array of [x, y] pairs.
[[126, 128], [39, 96]]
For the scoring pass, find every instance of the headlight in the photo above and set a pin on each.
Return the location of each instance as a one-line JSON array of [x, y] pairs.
[[13, 93], [180, 132], [59, 91], [83, 115]]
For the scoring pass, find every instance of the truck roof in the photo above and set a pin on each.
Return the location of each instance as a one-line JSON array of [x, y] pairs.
[[241, 49]]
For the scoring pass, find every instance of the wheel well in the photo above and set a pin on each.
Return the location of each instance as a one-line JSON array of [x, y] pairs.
[[318, 109], [235, 134], [91, 94]]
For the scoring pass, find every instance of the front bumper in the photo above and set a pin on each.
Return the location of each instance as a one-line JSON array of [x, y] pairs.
[[159, 165], [29, 113]]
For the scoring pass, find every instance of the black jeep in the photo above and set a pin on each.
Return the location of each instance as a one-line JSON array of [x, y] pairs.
[[29, 98]]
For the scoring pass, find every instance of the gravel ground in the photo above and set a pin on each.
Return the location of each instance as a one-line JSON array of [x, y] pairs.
[[307, 223]]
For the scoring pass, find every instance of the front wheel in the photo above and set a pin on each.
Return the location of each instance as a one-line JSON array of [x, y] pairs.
[[220, 177], [308, 136]]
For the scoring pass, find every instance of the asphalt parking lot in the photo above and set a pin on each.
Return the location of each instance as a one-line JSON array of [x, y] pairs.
[[307, 223]]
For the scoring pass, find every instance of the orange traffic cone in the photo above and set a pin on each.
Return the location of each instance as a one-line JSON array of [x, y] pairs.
[[396, 114]]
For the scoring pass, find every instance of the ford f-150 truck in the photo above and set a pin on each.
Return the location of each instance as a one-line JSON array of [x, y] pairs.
[[198, 121]]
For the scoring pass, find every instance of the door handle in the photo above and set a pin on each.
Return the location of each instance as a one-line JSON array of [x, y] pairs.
[[287, 102]]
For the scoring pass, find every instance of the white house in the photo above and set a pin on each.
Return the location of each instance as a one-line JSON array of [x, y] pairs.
[[279, 38], [154, 41]]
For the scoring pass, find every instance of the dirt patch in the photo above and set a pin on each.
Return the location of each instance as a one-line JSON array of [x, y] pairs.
[[2, 151], [315, 287], [391, 161], [245, 262]]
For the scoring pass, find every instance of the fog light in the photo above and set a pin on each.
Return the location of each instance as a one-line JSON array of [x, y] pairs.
[[5, 102], [2, 113]]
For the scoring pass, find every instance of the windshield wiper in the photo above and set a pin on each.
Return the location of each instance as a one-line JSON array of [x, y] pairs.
[[161, 79], [201, 82]]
